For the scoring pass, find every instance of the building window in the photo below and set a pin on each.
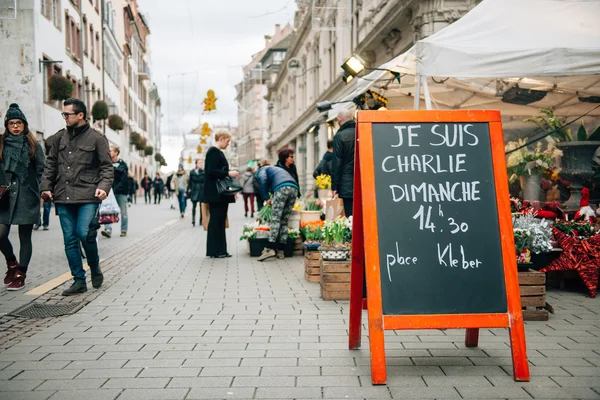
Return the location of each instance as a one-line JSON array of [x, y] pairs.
[[85, 32], [76, 4], [98, 49], [56, 13], [49, 70], [92, 43], [45, 9], [67, 32]]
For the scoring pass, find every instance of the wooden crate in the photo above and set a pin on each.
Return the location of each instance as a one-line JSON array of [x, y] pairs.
[[298, 249], [335, 280], [312, 265], [532, 285]]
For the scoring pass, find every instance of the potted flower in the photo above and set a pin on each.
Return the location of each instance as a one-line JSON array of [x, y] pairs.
[[293, 236], [313, 234], [323, 183], [311, 210], [523, 242], [256, 236], [529, 166], [337, 236]]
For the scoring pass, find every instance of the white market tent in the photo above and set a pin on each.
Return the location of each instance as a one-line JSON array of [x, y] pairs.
[[501, 46]]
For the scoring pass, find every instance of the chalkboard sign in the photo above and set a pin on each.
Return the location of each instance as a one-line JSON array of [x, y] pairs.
[[436, 203], [432, 231]]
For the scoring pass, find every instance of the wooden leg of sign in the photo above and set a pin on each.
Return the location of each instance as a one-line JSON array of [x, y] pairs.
[[377, 343], [511, 279], [472, 337], [357, 272]]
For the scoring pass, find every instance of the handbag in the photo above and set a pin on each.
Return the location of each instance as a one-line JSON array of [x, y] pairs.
[[4, 195], [228, 186]]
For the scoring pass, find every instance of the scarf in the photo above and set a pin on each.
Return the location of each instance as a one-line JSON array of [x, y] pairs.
[[16, 155]]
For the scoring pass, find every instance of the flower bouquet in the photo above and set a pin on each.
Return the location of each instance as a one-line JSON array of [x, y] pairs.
[[323, 183], [313, 234], [539, 229]]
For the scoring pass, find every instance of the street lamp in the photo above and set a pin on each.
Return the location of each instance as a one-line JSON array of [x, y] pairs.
[[354, 65]]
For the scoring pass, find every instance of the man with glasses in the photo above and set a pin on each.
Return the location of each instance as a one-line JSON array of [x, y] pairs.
[[78, 176]]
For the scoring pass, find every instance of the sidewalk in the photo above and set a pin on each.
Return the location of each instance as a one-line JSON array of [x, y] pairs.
[[181, 326]]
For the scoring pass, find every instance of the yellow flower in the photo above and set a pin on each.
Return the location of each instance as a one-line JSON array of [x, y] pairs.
[[323, 181]]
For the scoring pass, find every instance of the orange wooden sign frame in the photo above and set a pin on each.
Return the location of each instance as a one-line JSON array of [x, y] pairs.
[[365, 249]]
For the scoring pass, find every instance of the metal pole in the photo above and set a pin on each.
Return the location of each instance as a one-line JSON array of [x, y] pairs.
[[81, 40]]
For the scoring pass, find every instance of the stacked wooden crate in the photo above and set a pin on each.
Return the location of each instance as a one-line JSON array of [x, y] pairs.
[[298, 249], [312, 265], [335, 280], [532, 285]]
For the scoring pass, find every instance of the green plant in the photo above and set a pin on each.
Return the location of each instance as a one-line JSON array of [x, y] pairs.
[[548, 122], [335, 233], [293, 233], [248, 233], [149, 150], [59, 87], [134, 138], [525, 162], [313, 205], [523, 240], [115, 122], [265, 213], [100, 110], [142, 144]]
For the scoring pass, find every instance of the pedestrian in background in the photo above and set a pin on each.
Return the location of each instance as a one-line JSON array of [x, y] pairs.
[[325, 165], [22, 162], [158, 184], [217, 167], [286, 161], [284, 188], [170, 190], [195, 190], [247, 183], [342, 175], [121, 191], [78, 177], [180, 184], [146, 184], [133, 188], [259, 200]]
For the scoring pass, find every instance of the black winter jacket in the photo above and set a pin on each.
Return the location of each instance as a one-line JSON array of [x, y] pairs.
[[216, 167], [121, 181], [195, 187], [342, 176], [325, 165]]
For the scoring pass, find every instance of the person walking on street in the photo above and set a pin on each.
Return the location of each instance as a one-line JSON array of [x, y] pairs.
[[195, 190], [158, 184], [170, 190], [120, 188], [247, 182], [217, 167], [284, 188], [286, 161], [133, 187], [22, 162], [259, 200], [342, 176], [180, 184], [78, 177], [146, 184]]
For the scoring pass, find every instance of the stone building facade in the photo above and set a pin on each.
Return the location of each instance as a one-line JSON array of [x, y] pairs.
[[327, 33]]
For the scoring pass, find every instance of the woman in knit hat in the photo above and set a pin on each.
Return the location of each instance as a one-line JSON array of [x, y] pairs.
[[22, 162]]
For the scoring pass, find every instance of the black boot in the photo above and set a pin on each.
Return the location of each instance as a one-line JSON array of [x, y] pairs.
[[97, 277], [76, 288]]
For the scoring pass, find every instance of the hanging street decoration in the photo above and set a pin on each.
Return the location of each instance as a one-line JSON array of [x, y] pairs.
[[199, 150], [205, 129], [202, 140], [189, 159], [210, 101]]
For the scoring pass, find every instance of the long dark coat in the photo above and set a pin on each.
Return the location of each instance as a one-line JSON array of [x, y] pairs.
[[216, 167], [342, 175], [24, 207], [196, 185]]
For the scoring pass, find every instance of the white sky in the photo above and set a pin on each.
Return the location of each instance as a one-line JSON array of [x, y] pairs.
[[208, 41]]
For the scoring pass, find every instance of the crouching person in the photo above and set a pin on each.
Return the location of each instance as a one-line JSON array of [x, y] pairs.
[[282, 185]]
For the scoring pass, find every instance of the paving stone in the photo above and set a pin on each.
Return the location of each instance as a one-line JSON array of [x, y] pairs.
[[109, 373], [269, 362], [327, 381], [129, 355], [32, 395], [97, 394], [153, 394], [450, 381], [580, 381], [72, 384], [373, 392], [474, 392], [230, 371], [40, 365], [49, 374], [509, 381], [136, 383], [424, 392], [263, 381], [97, 364], [583, 371], [287, 393], [323, 362], [201, 382], [474, 370], [73, 356], [19, 385], [165, 372], [561, 393], [221, 393], [214, 362], [291, 371]]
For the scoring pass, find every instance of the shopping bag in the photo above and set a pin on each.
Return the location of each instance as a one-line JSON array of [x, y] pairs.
[[333, 208], [110, 205], [206, 216]]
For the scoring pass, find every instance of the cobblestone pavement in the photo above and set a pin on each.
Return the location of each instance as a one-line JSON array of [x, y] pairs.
[[177, 325], [49, 261]]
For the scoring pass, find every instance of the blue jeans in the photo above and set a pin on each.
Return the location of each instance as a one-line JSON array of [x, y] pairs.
[[45, 218], [122, 202], [75, 222], [182, 200]]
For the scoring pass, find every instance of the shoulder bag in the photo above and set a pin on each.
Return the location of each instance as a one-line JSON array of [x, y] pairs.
[[228, 186]]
